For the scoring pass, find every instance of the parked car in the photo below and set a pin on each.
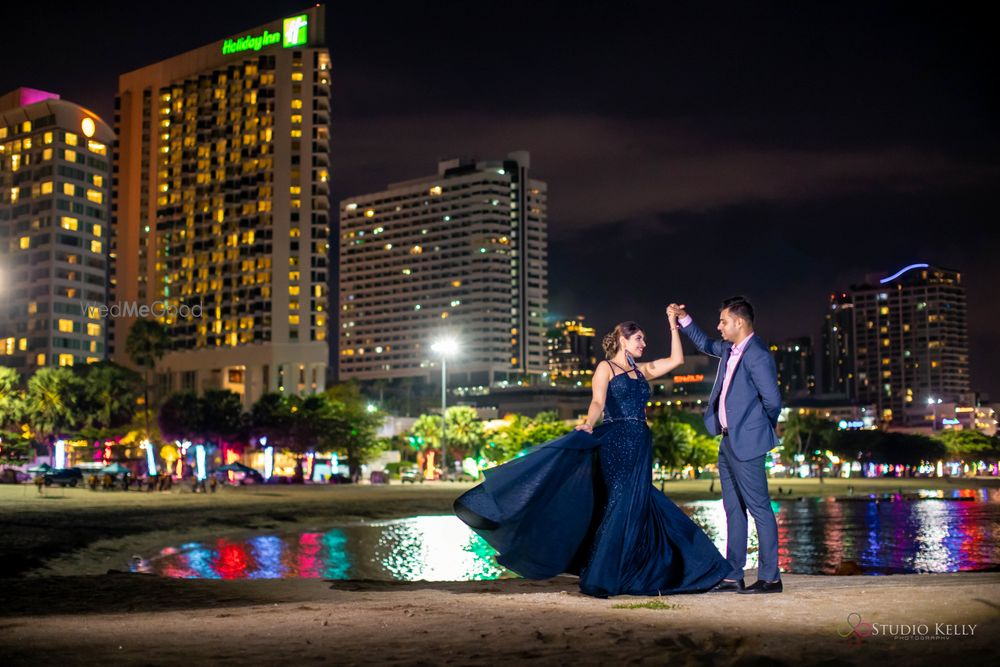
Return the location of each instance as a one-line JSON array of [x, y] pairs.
[[411, 474], [64, 477], [13, 476]]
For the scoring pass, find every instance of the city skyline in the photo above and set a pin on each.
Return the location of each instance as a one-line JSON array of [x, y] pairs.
[[831, 144]]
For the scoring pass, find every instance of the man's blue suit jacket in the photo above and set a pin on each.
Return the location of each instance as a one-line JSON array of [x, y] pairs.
[[753, 401]]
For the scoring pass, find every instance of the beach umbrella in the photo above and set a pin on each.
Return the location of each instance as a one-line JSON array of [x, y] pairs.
[[115, 469]]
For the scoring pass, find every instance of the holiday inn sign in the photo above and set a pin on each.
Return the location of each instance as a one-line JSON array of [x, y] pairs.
[[294, 32]]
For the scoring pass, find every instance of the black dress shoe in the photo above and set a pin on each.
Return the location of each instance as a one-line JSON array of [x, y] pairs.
[[761, 586], [728, 586]]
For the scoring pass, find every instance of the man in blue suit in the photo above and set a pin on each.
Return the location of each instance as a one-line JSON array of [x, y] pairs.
[[743, 408]]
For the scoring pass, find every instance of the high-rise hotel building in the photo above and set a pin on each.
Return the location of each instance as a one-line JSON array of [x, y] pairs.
[[222, 209], [839, 378], [55, 180], [460, 254], [910, 342]]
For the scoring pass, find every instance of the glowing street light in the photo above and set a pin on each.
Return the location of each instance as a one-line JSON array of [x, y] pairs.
[[445, 347], [150, 457], [60, 455]]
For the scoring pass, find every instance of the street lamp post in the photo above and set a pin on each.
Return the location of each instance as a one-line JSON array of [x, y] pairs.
[[444, 347]]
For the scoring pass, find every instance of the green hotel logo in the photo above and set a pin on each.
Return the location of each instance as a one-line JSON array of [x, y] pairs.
[[295, 32]]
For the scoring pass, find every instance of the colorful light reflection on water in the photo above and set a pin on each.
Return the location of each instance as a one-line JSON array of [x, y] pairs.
[[816, 536]]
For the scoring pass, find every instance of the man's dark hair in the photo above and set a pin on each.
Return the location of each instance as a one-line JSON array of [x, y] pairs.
[[738, 306]]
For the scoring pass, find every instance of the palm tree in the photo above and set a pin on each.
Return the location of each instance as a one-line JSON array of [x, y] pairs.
[[109, 394], [180, 416], [221, 415], [465, 429], [52, 403], [352, 426], [428, 427], [271, 417], [146, 344], [11, 397]]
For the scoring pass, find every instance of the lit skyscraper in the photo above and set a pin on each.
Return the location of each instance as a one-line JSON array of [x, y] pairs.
[[911, 342], [571, 351], [222, 208], [838, 347], [55, 178], [794, 362], [460, 253]]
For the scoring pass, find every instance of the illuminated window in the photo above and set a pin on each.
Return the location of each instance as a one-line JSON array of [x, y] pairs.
[[95, 196], [71, 139], [26, 126], [66, 326], [97, 147], [436, 190], [293, 290], [47, 154], [25, 242], [47, 138], [46, 188], [7, 346], [296, 119], [293, 319], [296, 134], [98, 180], [296, 76], [97, 230], [71, 224], [40, 359], [93, 329], [69, 189], [15, 192], [65, 359], [296, 104], [95, 247]]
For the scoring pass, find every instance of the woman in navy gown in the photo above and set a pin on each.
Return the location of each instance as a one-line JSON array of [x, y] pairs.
[[585, 503]]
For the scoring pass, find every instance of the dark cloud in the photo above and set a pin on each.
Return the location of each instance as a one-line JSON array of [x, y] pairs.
[[692, 150]]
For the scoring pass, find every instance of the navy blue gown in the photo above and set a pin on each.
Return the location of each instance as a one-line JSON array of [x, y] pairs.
[[585, 504]]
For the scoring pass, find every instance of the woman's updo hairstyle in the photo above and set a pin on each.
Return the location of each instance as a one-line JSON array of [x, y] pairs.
[[610, 342]]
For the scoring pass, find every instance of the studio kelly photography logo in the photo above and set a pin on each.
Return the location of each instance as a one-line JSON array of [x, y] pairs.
[[857, 630], [133, 309]]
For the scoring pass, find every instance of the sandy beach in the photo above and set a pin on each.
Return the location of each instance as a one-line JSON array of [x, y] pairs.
[[66, 597]]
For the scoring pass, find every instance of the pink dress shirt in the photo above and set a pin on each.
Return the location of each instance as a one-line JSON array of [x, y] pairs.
[[734, 359]]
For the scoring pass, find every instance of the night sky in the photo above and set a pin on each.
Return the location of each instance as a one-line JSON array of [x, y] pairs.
[[691, 153]]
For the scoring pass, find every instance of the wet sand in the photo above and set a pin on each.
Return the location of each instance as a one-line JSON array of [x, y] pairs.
[[66, 607]]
